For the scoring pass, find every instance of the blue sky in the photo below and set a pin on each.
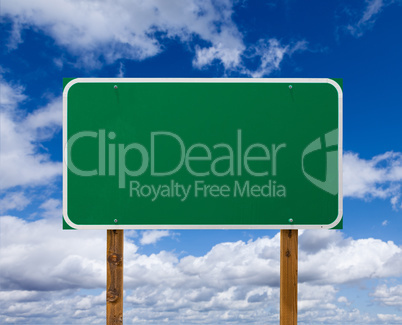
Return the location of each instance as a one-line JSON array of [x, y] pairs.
[[51, 276]]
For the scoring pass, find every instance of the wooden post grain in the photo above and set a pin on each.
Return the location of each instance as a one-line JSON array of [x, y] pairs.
[[114, 280], [288, 275]]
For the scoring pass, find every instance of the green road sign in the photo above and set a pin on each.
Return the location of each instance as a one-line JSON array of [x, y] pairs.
[[202, 153]]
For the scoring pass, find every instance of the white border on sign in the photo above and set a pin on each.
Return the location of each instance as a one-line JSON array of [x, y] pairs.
[[206, 80]]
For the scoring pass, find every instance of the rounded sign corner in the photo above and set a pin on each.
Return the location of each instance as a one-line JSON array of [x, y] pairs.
[[70, 84], [69, 222], [336, 86], [336, 222]]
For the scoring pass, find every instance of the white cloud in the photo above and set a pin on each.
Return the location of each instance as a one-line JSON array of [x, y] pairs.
[[10, 95], [343, 300], [230, 57], [373, 7], [379, 177], [234, 282], [35, 307], [15, 36], [315, 241], [369, 16], [126, 29], [41, 256], [22, 162], [135, 30], [52, 208], [121, 71], [45, 121], [13, 200], [310, 297], [270, 54], [389, 296], [153, 236], [390, 318], [350, 260]]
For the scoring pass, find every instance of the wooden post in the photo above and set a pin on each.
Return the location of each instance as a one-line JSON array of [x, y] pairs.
[[288, 274], [114, 280]]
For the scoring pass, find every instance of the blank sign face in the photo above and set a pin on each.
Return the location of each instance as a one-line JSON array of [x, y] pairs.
[[202, 153]]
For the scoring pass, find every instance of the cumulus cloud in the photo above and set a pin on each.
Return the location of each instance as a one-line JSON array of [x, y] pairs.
[[135, 30], [233, 282], [153, 236], [226, 265], [35, 307], [389, 296], [10, 96], [312, 296], [40, 256], [121, 29], [13, 201], [390, 318], [23, 161], [378, 177], [52, 208], [351, 260]]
